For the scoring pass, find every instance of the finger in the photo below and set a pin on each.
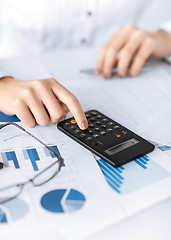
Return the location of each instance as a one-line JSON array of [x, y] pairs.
[[37, 109], [72, 103], [141, 57], [115, 45], [129, 51], [99, 64], [25, 115], [53, 105]]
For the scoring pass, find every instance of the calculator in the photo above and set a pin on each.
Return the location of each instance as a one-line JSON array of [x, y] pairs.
[[107, 138]]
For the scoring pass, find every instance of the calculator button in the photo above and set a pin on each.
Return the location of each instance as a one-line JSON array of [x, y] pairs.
[[97, 129], [87, 115], [91, 126], [104, 120], [125, 133], [103, 133], [94, 113], [73, 127], [109, 130], [91, 120], [118, 135], [99, 116], [111, 124], [73, 121], [103, 126], [77, 131], [67, 124], [116, 127], [83, 135], [97, 143], [98, 123], [96, 135], [89, 139], [90, 132]]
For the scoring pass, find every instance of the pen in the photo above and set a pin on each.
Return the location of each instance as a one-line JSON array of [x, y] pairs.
[[91, 71]]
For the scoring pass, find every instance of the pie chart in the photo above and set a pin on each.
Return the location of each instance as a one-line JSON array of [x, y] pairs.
[[13, 210], [63, 201]]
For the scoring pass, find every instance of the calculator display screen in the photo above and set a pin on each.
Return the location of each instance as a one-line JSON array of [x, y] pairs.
[[122, 146]]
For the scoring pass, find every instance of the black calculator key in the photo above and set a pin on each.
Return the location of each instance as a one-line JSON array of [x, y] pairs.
[[89, 139], [104, 120], [103, 133], [67, 124], [116, 127], [98, 123], [103, 126], [92, 120], [83, 135], [94, 113], [73, 127], [87, 115], [77, 131], [96, 129], [111, 124], [90, 131], [90, 126], [99, 116], [109, 130], [96, 136], [98, 143]]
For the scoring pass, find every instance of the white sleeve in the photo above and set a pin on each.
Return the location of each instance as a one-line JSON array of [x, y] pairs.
[[2, 74], [166, 27]]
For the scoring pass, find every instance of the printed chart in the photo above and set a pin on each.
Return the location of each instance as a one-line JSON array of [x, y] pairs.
[[31, 155], [63, 201], [10, 213], [7, 118], [134, 175]]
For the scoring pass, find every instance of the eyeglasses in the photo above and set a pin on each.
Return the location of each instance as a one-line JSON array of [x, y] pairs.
[[12, 191]]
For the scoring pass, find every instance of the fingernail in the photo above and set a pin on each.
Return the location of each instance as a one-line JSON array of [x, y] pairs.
[[84, 125]]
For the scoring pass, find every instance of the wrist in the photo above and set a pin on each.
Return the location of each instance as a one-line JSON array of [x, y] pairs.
[[163, 40]]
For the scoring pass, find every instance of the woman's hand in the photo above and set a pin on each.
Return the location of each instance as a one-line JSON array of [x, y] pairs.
[[41, 101], [130, 48]]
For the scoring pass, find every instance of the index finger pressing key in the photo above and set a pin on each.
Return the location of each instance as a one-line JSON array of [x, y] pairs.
[[72, 103]]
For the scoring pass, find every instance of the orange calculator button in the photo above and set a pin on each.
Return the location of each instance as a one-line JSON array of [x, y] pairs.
[[73, 122], [118, 136]]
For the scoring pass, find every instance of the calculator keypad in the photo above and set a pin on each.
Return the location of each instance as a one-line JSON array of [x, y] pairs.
[[106, 138], [100, 128]]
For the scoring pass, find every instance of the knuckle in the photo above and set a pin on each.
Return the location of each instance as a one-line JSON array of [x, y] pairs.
[[52, 80], [149, 41], [73, 100], [30, 123], [43, 122], [27, 92], [141, 57], [38, 84], [59, 116], [139, 34], [129, 28], [18, 103]]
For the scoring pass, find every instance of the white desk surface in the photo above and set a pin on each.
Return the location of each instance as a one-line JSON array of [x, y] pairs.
[[153, 223]]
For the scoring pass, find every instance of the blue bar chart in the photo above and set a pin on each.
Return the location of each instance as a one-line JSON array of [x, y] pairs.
[[10, 156], [29, 157], [132, 176], [50, 154], [32, 155]]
